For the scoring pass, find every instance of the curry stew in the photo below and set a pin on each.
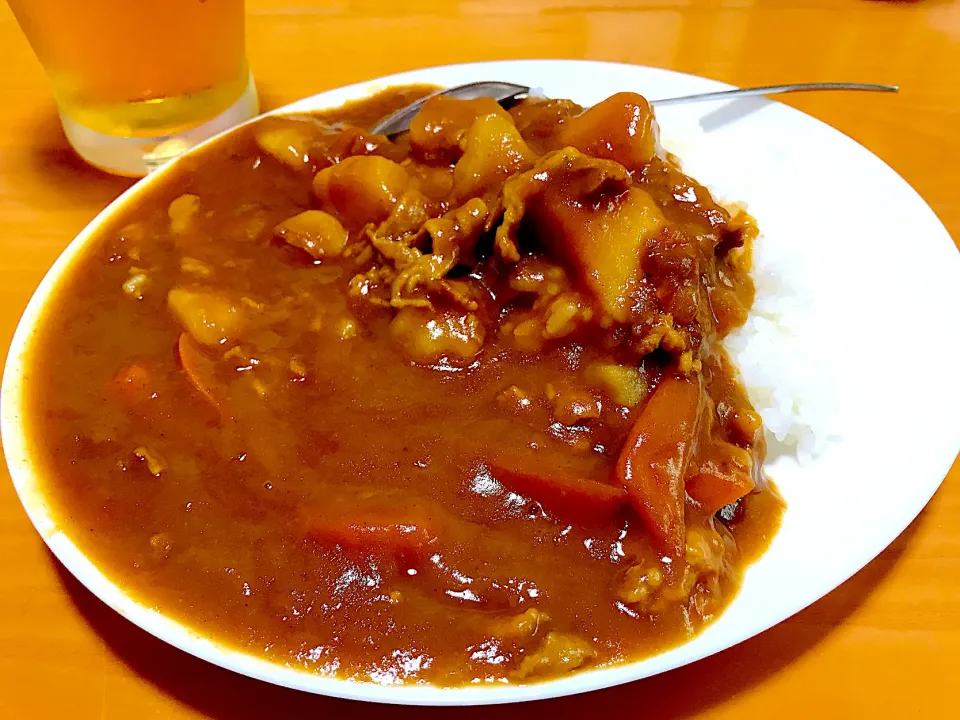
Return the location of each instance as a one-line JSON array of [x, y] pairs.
[[447, 408]]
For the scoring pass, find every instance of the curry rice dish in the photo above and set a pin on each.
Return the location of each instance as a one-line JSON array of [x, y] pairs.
[[449, 408]]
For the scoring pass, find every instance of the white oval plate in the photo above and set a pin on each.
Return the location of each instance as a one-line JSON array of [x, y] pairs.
[[879, 286]]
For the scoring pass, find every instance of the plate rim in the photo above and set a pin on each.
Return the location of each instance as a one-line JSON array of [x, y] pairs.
[[165, 628]]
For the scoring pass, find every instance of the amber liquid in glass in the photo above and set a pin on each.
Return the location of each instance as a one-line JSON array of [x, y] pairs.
[[139, 68]]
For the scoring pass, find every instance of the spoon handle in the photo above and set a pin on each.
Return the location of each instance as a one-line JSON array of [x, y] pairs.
[[503, 91], [401, 119], [773, 90]]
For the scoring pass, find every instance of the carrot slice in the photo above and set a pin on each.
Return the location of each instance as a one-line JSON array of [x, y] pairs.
[[200, 370], [653, 461], [725, 475], [398, 534], [567, 498]]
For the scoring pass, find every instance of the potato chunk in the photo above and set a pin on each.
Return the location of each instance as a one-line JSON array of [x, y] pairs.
[[620, 128], [360, 190], [438, 128], [559, 652], [315, 231], [625, 385], [289, 143], [604, 243], [641, 585], [428, 336], [522, 626], [492, 151], [209, 317], [136, 284], [307, 144], [182, 212]]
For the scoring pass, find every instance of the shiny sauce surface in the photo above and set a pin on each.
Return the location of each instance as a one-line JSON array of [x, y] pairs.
[[451, 407]]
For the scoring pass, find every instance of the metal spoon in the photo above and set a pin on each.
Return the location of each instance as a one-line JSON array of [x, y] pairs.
[[502, 92]]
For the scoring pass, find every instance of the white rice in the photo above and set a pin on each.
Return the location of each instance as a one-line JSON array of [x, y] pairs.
[[774, 355], [774, 350]]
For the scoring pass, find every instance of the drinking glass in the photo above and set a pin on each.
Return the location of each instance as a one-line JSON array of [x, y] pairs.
[[139, 81]]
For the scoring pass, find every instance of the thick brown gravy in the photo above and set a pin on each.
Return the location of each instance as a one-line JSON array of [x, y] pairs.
[[450, 454]]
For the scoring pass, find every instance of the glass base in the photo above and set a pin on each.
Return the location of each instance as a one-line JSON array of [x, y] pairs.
[[137, 156]]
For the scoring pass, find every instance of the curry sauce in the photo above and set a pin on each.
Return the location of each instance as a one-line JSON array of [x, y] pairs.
[[451, 407]]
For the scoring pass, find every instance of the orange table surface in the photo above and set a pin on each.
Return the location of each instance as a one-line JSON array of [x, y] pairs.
[[886, 643]]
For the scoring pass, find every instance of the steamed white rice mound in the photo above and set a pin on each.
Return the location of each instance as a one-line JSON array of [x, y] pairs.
[[772, 352], [775, 349]]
